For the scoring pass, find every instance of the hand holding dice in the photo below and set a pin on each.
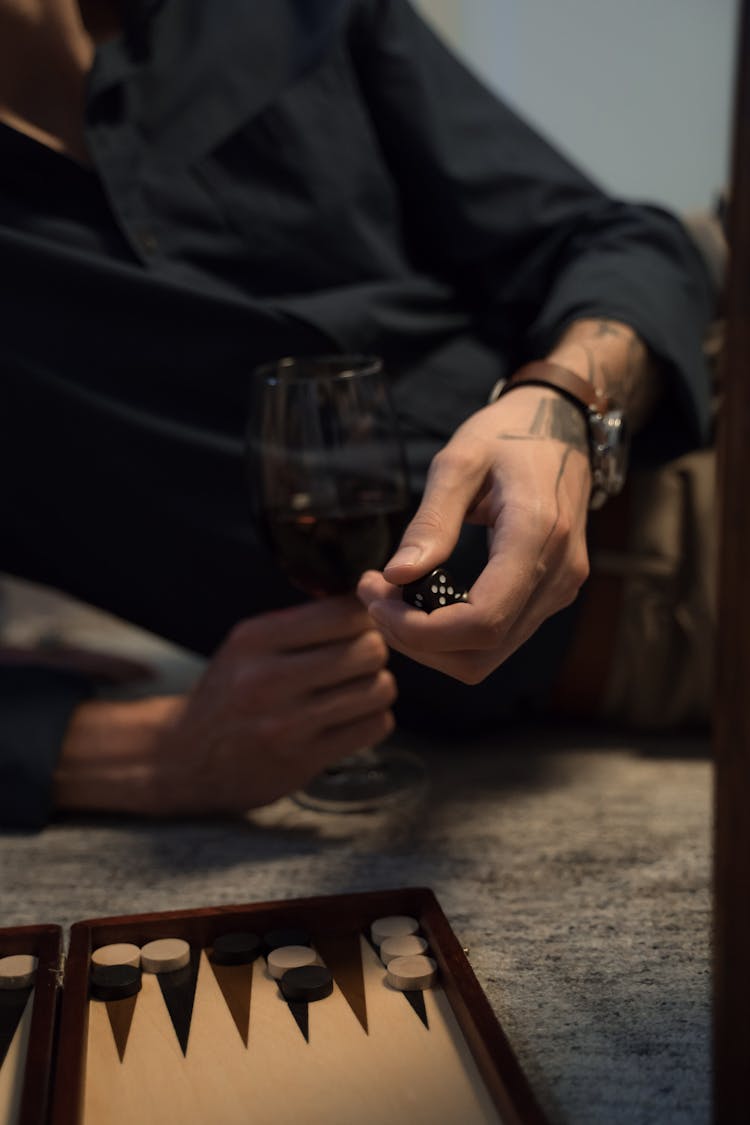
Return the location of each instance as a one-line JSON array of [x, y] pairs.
[[433, 591]]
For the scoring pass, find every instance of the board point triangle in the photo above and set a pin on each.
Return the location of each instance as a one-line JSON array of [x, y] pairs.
[[416, 999], [120, 1014], [341, 953], [236, 982], [300, 1010], [178, 990], [12, 1007]]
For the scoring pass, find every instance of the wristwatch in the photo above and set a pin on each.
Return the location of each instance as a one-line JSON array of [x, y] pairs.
[[609, 440]]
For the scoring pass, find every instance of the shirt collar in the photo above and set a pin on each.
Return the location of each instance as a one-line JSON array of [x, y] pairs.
[[228, 58]]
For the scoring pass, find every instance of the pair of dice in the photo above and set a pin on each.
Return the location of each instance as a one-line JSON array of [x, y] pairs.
[[433, 591]]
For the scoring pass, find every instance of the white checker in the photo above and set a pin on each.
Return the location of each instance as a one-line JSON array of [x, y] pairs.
[[289, 957], [394, 925]]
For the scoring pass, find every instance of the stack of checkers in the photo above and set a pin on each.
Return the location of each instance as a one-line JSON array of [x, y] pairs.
[[295, 965], [116, 972], [116, 969], [404, 952]]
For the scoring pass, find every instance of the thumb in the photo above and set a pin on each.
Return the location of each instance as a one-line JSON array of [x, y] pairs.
[[433, 532]]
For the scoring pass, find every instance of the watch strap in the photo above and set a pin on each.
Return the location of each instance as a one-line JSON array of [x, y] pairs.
[[544, 373]]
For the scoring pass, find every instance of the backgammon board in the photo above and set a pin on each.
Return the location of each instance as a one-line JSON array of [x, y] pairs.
[[223, 1035]]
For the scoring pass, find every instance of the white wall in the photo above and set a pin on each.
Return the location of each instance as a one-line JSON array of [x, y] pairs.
[[638, 92]]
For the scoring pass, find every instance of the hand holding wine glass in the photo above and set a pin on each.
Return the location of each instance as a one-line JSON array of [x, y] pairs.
[[329, 481]]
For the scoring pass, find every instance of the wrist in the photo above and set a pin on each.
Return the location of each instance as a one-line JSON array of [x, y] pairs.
[[607, 433]]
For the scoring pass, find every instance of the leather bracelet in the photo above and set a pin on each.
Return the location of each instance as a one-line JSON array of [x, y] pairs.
[[544, 373]]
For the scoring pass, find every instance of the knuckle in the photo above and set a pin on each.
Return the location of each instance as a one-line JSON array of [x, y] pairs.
[[386, 689], [568, 593], [427, 519], [562, 526], [454, 460], [571, 586], [388, 723], [473, 671], [242, 634], [581, 569], [554, 525], [373, 648], [380, 726]]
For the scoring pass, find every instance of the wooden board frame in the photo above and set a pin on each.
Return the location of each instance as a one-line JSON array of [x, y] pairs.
[[44, 943], [731, 727], [330, 915]]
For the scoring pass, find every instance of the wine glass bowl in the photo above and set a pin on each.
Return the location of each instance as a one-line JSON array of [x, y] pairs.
[[328, 469], [331, 496]]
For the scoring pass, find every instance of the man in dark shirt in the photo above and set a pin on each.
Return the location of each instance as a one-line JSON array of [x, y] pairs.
[[188, 189]]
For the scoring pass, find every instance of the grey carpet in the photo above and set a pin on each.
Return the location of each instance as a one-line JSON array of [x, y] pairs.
[[576, 871]]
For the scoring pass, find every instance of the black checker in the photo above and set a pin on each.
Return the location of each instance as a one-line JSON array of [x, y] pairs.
[[276, 939], [114, 982], [235, 949], [309, 982]]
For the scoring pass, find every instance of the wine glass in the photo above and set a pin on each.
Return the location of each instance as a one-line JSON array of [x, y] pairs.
[[331, 495]]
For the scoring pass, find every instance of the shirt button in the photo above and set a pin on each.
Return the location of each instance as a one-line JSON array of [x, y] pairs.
[[147, 241]]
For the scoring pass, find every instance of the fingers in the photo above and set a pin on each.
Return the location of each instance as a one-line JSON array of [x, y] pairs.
[[257, 766], [520, 587], [319, 752], [452, 484], [287, 694], [492, 647], [254, 683], [230, 759], [513, 571], [334, 744], [346, 660], [287, 733], [359, 699], [298, 627]]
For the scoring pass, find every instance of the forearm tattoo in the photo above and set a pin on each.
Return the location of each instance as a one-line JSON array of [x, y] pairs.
[[554, 418]]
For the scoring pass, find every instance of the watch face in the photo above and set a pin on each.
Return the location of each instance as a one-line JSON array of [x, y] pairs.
[[610, 443]]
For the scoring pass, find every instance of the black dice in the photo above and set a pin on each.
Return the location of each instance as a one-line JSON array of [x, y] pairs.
[[433, 591]]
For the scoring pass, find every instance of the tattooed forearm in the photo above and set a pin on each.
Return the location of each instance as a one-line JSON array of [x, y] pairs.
[[614, 359]]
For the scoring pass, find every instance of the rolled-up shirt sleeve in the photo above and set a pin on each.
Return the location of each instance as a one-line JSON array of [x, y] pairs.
[[533, 243], [36, 705]]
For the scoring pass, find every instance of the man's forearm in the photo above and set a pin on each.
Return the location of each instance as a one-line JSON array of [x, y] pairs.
[[613, 358]]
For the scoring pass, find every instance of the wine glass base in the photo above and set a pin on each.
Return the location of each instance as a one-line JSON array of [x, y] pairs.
[[382, 779]]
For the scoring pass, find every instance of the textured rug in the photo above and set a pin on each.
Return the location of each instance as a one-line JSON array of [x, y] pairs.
[[574, 868]]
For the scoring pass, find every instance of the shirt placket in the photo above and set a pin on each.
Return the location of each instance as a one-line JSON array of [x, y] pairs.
[[118, 151]]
